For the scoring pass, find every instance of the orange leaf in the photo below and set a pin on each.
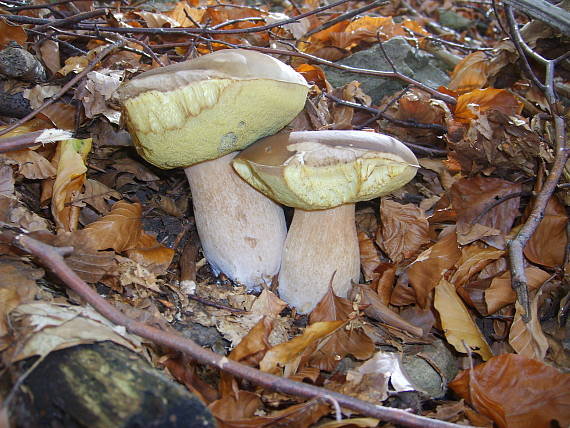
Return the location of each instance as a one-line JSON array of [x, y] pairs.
[[471, 104], [404, 230], [547, 245], [516, 392], [9, 32], [120, 230], [470, 73]]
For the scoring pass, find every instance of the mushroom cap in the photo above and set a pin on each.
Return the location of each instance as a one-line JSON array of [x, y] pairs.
[[210, 106], [315, 170]]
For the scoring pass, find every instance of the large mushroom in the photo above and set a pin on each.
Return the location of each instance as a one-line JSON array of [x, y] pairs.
[[195, 114], [323, 174]]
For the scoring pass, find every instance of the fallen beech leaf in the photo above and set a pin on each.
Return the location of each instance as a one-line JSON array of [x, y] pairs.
[[351, 340], [547, 245], [17, 286], [471, 199], [470, 73], [316, 75], [516, 392], [527, 339], [237, 411], [120, 230], [427, 270], [352, 423], [30, 163], [181, 12], [49, 50], [95, 194], [457, 324], [478, 101], [369, 257], [268, 304], [44, 327], [500, 293], [9, 33], [70, 160], [473, 259], [151, 254], [404, 230], [288, 355]]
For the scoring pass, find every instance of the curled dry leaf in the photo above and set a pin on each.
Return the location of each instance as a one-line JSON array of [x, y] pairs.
[[473, 259], [527, 339], [70, 160], [404, 230], [516, 392], [500, 293], [470, 73], [472, 198], [11, 33], [30, 163], [284, 359], [547, 245], [314, 74], [457, 324], [369, 257], [429, 267], [350, 340], [471, 104]]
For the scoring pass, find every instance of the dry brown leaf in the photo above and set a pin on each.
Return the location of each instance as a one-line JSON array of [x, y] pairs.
[[404, 230], [74, 64], [352, 423], [516, 392], [314, 74], [49, 51], [238, 411], [470, 73], [17, 286], [30, 163], [157, 20], [528, 339], [351, 340], [151, 254], [547, 245], [61, 115], [478, 101], [500, 293], [70, 160], [369, 257], [284, 359], [472, 198], [6, 181], [473, 259], [457, 324], [268, 304], [95, 194], [429, 267], [180, 12], [120, 230], [11, 33]]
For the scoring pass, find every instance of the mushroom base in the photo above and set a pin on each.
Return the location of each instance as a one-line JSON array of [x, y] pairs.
[[321, 246], [242, 232]]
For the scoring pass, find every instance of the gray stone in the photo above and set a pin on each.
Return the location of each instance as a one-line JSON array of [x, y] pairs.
[[423, 375], [408, 60], [453, 20]]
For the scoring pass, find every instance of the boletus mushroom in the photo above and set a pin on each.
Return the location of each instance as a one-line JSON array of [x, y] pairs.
[[323, 174], [195, 114]]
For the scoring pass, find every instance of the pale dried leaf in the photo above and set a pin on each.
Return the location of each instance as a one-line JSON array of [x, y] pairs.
[[457, 324], [528, 339]]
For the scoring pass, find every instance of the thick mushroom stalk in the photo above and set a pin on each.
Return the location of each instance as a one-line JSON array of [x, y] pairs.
[[242, 231], [323, 174], [191, 113]]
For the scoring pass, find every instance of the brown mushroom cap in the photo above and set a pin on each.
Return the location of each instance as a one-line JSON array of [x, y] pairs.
[[210, 106], [315, 170]]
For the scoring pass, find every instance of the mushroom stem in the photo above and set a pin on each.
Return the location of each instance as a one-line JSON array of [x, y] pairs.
[[319, 244], [241, 231]]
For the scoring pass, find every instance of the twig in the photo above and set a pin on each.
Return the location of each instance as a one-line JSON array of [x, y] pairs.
[[32, 139], [72, 19], [542, 10], [346, 16], [39, 6], [403, 123], [53, 261], [106, 51], [516, 246], [488, 207]]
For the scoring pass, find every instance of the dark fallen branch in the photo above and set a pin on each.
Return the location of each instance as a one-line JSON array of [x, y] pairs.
[[52, 258], [516, 246], [542, 10]]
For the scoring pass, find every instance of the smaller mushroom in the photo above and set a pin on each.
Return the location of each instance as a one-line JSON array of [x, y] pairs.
[[323, 174], [195, 114]]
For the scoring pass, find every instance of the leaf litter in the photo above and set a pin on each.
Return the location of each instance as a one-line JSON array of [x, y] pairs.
[[433, 255]]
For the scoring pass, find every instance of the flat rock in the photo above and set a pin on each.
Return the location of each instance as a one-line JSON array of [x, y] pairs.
[[408, 60]]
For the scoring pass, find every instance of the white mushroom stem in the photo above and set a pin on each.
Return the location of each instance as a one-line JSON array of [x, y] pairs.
[[242, 232], [319, 244]]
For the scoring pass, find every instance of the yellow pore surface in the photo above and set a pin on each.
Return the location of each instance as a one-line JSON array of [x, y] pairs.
[[209, 119], [327, 177]]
